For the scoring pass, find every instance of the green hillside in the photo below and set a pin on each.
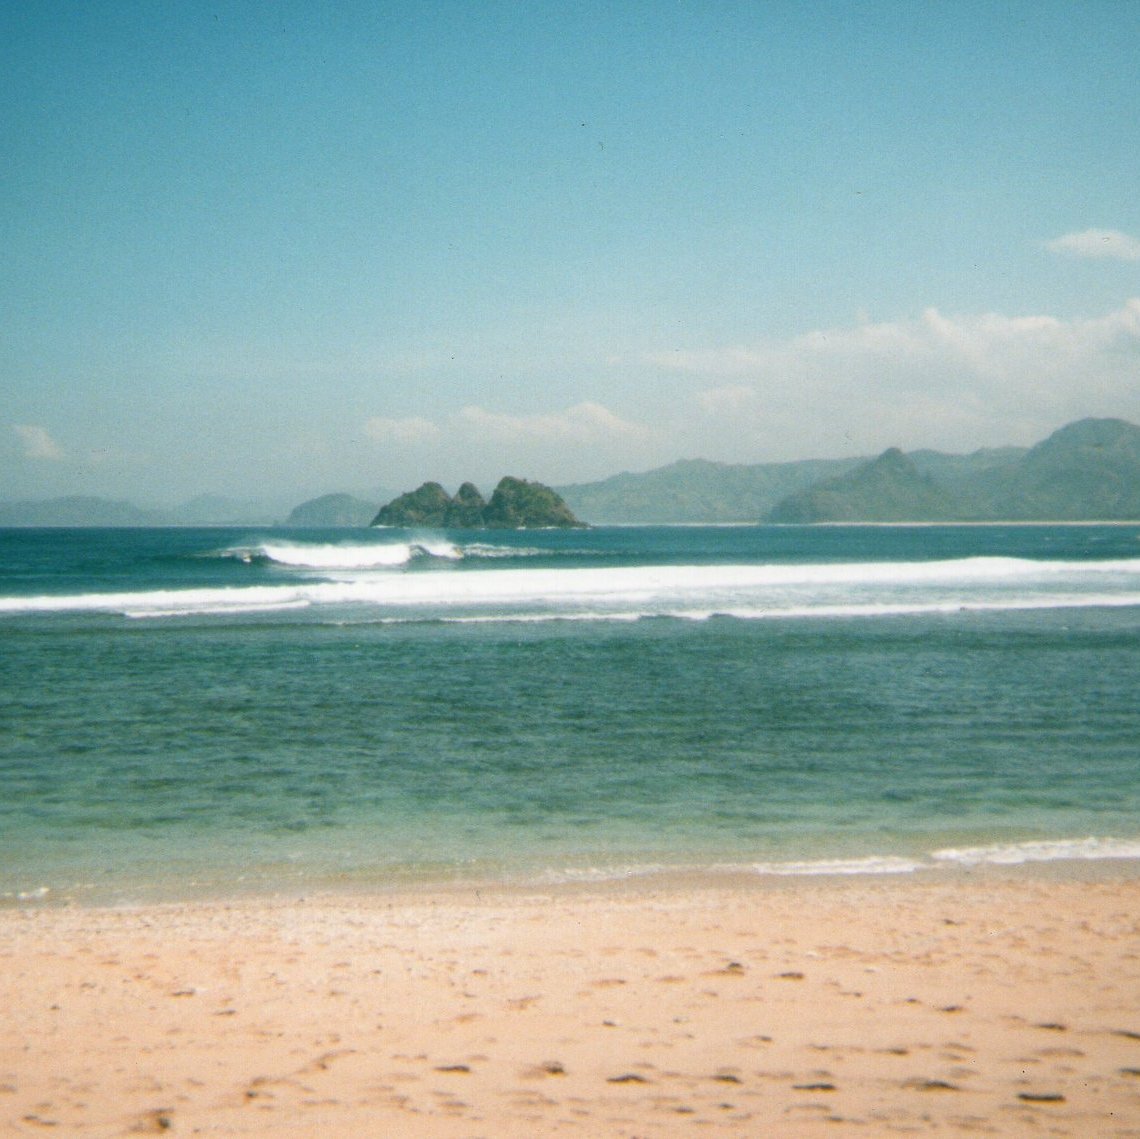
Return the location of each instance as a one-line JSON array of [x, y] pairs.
[[1086, 471], [695, 490]]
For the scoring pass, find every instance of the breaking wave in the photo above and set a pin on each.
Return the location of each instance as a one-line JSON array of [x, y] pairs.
[[345, 581], [341, 556], [337, 556]]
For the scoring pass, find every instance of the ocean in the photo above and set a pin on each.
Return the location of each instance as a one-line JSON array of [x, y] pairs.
[[211, 712]]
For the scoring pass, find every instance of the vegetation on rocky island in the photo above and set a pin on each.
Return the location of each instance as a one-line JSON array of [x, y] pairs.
[[516, 504]]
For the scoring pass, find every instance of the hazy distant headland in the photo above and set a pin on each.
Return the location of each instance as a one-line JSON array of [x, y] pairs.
[[332, 510], [90, 510], [1086, 471]]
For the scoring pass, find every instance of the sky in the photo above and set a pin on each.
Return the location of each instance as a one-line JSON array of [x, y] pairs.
[[278, 249]]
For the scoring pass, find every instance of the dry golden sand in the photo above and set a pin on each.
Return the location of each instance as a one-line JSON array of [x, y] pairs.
[[987, 1006]]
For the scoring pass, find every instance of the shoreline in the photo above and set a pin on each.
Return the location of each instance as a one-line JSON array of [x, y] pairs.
[[637, 879], [997, 1002]]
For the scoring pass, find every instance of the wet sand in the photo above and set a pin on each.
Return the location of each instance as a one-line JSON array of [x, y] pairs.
[[988, 1005]]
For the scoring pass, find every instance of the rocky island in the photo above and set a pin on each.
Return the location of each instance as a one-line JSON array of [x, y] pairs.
[[515, 505]]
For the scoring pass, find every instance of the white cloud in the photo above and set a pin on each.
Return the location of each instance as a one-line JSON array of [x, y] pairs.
[[954, 382], [946, 381], [38, 443], [412, 430], [586, 440], [1097, 243]]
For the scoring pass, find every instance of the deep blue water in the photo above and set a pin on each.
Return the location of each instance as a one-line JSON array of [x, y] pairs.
[[189, 711]]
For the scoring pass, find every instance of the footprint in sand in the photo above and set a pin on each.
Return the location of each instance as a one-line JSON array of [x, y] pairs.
[[547, 1068], [153, 1122]]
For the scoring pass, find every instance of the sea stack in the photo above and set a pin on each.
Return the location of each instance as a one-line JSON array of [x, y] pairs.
[[516, 504]]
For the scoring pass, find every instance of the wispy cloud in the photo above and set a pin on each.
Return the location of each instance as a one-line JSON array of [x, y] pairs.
[[1097, 243], [954, 382], [948, 381], [476, 442], [38, 443]]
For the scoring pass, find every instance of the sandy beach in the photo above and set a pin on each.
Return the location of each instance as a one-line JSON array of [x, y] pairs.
[[989, 1005]]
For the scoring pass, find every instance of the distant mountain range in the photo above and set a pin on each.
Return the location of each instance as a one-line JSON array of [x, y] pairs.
[[696, 490], [1086, 471], [90, 510]]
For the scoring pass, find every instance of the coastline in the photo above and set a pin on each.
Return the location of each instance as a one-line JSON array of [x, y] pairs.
[[1089, 858], [996, 1003]]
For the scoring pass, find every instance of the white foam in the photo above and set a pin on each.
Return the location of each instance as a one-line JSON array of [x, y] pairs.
[[369, 555], [748, 592], [155, 602], [341, 556], [438, 548], [586, 874], [1058, 850], [872, 864], [484, 550], [960, 571]]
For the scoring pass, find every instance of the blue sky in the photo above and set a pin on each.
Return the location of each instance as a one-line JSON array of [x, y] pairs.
[[281, 249]]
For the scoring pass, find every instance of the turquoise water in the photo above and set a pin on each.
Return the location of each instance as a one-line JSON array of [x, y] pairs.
[[210, 711]]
